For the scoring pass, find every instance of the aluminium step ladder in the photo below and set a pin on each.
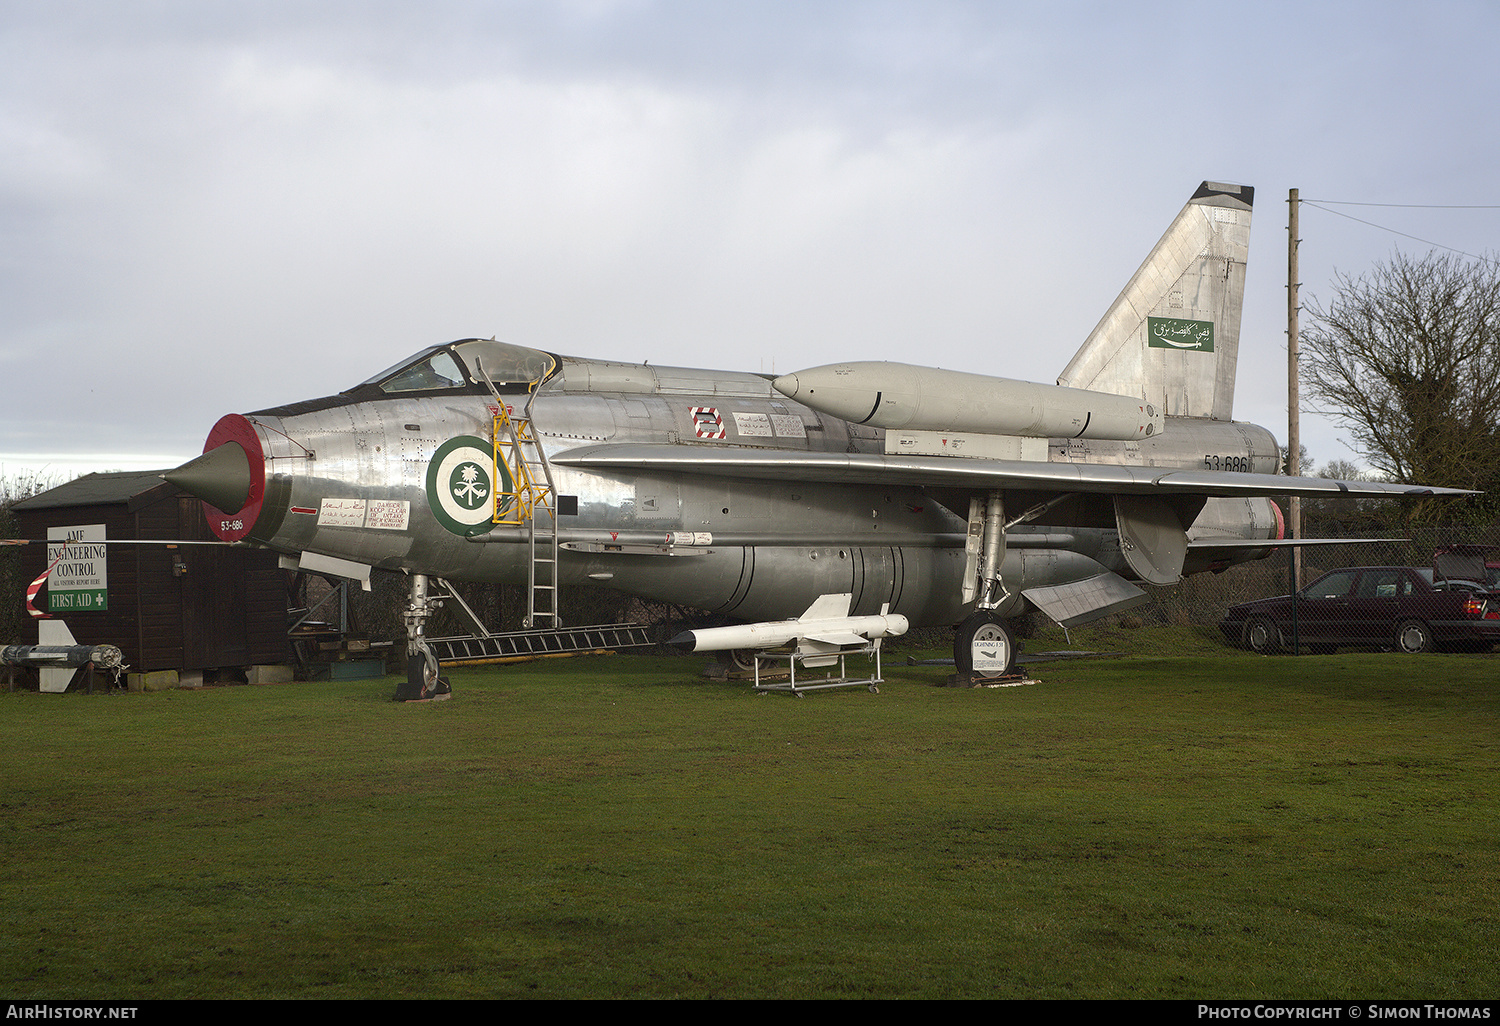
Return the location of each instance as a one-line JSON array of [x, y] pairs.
[[530, 644]]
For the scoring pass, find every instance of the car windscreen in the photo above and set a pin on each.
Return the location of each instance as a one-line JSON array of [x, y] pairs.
[[1334, 585]]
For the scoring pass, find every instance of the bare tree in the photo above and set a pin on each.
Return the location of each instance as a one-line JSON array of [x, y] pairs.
[[1408, 357], [12, 586]]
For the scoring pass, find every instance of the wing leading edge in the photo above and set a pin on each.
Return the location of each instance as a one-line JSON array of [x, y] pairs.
[[966, 472]]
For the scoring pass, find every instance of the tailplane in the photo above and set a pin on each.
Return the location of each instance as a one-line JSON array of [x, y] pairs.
[[1172, 337]]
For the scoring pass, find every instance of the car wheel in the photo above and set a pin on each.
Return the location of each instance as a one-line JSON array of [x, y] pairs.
[[1413, 636], [983, 646], [1261, 636]]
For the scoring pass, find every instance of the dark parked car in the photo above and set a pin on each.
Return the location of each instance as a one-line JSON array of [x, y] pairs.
[[1391, 606]]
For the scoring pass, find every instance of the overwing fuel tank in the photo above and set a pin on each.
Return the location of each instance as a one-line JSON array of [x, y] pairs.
[[899, 395]]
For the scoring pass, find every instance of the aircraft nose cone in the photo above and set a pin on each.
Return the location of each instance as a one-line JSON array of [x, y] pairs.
[[220, 477], [786, 385]]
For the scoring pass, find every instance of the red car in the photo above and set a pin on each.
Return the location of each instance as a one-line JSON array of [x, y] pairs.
[[1396, 607]]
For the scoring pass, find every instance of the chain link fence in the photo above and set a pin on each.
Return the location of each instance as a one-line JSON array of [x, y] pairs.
[[1204, 598]]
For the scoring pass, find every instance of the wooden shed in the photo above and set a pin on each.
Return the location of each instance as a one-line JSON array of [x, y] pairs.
[[167, 607]]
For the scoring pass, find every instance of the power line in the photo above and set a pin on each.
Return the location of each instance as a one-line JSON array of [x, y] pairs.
[[1404, 235], [1411, 206]]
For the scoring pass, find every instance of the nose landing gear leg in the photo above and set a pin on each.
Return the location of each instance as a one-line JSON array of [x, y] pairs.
[[423, 682]]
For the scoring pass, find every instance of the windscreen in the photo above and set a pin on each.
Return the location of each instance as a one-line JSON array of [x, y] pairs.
[[440, 370]]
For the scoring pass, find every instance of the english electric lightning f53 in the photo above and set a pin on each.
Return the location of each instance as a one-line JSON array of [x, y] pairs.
[[945, 497]]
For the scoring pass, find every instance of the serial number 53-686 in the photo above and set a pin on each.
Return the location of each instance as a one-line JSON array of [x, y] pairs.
[[1238, 463], [231, 525]]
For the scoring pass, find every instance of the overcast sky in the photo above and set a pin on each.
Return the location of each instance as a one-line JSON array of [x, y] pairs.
[[217, 207]]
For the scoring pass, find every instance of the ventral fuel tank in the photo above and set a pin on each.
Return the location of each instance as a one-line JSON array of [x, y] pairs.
[[903, 396]]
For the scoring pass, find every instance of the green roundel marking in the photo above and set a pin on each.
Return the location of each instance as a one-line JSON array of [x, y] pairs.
[[461, 486]]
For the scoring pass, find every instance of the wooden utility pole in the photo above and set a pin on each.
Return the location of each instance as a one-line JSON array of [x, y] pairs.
[[1293, 400]]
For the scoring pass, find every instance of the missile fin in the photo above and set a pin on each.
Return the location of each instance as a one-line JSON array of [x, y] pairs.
[[54, 633], [828, 607], [840, 638]]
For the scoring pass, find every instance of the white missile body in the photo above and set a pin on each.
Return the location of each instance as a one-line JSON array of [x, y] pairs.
[[899, 395], [825, 629]]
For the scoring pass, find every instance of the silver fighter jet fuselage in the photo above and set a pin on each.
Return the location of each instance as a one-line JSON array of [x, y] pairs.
[[348, 477]]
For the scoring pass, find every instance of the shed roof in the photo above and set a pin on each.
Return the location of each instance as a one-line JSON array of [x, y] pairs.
[[97, 489]]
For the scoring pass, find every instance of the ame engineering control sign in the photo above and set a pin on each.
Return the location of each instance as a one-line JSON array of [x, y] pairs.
[[79, 582]]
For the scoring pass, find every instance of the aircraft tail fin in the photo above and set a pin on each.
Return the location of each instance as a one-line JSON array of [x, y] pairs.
[[1172, 337]]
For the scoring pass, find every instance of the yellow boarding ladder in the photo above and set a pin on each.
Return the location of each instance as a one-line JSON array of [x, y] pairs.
[[520, 453]]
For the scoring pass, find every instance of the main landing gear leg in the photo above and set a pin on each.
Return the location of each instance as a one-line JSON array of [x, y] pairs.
[[423, 683], [983, 645]]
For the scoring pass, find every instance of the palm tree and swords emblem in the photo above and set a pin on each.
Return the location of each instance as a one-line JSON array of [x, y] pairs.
[[463, 483], [466, 486]]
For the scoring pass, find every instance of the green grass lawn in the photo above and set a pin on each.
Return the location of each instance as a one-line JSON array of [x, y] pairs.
[[1214, 825]]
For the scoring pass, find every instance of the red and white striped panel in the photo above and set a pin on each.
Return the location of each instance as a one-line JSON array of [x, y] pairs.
[[707, 423]]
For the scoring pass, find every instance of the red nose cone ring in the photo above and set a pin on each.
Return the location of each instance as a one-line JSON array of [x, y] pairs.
[[235, 526]]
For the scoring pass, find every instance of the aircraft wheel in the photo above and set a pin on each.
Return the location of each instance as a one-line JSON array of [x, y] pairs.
[[1262, 637], [983, 646], [1413, 636], [423, 683]]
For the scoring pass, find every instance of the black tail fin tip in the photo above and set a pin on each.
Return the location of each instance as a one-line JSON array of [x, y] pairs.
[[1244, 193]]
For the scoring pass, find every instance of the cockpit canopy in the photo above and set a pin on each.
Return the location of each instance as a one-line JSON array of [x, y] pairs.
[[464, 365]]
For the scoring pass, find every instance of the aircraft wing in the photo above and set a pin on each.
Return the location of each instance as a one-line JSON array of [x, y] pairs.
[[968, 472]]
